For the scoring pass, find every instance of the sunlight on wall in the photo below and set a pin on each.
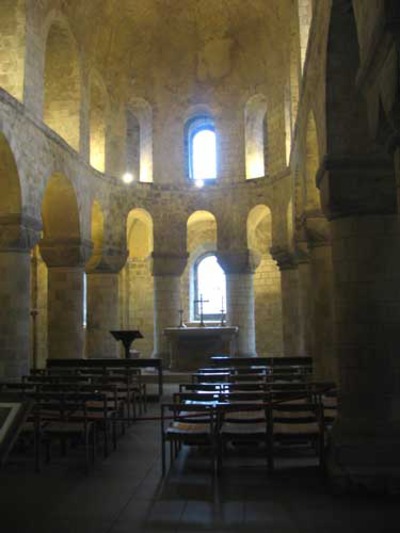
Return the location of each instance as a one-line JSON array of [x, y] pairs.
[[255, 166], [255, 136]]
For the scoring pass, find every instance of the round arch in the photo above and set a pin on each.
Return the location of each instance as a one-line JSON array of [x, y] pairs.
[[99, 108], [259, 228], [62, 83], [60, 212], [137, 281], [139, 140], [139, 233], [201, 227], [201, 243], [256, 136], [10, 198], [267, 282]]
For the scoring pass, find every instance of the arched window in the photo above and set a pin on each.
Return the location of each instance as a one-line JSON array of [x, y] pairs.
[[256, 136], [201, 149], [209, 286]]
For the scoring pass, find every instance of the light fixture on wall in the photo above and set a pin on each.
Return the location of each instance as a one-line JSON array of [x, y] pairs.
[[127, 178]]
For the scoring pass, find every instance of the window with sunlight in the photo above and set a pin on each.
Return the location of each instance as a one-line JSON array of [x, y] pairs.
[[201, 149], [210, 286], [204, 160]]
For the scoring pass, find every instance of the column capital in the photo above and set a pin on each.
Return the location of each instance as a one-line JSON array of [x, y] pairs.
[[284, 257], [65, 252], [238, 261], [168, 264], [316, 230], [356, 185], [109, 260], [19, 233]]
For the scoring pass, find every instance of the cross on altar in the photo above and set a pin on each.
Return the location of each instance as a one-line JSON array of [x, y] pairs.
[[201, 302]]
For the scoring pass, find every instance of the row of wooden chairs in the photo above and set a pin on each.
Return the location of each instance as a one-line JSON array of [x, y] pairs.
[[78, 407], [130, 388], [250, 373], [199, 416]]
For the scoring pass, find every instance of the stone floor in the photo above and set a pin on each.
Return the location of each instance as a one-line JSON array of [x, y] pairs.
[[126, 494]]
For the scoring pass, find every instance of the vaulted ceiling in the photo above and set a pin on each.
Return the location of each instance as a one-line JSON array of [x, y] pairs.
[[196, 45]]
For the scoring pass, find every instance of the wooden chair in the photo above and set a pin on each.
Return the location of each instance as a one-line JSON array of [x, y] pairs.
[[102, 410], [190, 424], [295, 422], [62, 416], [330, 406], [242, 423], [215, 376]]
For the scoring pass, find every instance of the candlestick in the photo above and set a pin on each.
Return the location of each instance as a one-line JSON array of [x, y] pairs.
[[181, 324]]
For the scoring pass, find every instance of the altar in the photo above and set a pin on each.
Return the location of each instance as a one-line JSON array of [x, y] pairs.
[[190, 347]]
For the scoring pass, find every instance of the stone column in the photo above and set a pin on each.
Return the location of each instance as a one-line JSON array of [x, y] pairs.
[[65, 260], [239, 268], [303, 269], [321, 304], [290, 299], [365, 234], [103, 305], [396, 158], [17, 237], [167, 270]]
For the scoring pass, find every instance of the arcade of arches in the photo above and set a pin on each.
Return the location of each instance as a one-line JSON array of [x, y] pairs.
[[304, 99]]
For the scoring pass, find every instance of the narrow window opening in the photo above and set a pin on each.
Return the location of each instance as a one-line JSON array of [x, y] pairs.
[[204, 157], [210, 286], [201, 149]]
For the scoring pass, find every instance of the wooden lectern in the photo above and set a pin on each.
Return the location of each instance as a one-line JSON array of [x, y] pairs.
[[127, 336]]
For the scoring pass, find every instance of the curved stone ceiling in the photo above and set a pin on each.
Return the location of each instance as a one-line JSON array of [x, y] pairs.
[[142, 45]]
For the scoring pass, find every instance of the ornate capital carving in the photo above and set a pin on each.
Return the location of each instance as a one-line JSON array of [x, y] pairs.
[[239, 262], [165, 264], [19, 233], [65, 252]]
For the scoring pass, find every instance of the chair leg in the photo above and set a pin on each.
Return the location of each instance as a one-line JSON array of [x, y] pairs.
[[94, 442], [163, 455], [86, 439], [114, 431], [220, 452], [105, 436], [36, 448]]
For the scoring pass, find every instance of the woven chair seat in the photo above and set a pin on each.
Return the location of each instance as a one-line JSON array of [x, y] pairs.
[[306, 428], [188, 428], [248, 429]]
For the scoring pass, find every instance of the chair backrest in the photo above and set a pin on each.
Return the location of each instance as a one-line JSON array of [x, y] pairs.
[[196, 397], [210, 376], [295, 418]]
